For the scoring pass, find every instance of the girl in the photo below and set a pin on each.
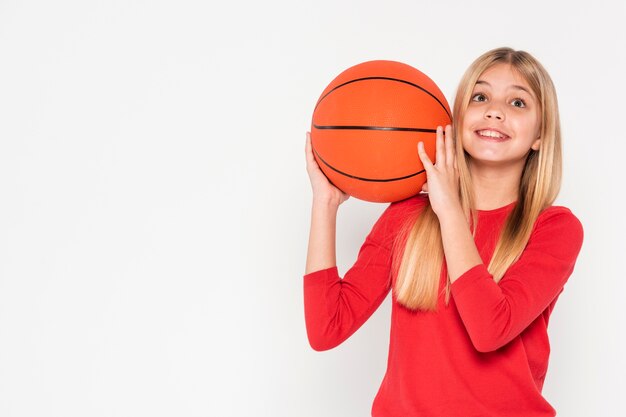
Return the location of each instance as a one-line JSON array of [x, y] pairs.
[[475, 263]]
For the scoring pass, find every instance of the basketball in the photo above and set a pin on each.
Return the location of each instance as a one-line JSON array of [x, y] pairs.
[[366, 126]]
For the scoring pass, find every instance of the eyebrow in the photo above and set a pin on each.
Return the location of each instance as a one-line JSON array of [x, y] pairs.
[[517, 87]]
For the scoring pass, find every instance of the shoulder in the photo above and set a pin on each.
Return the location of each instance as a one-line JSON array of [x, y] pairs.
[[397, 215], [407, 207], [558, 217], [559, 225], [399, 212]]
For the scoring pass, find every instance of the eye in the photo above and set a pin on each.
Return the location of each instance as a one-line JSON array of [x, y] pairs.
[[518, 102], [479, 97]]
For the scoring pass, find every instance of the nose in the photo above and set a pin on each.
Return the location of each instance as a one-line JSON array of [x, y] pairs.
[[493, 112]]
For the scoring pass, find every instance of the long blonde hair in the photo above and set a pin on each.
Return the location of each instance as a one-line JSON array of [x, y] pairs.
[[418, 268]]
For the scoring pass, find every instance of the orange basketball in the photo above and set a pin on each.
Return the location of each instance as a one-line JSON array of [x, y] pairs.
[[366, 126]]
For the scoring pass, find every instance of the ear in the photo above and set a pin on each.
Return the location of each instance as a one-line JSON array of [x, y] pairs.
[[536, 144]]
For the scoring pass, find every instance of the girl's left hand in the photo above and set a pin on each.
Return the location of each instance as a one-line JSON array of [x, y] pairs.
[[443, 176]]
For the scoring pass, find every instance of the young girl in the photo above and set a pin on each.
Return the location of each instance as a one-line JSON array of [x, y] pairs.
[[475, 263]]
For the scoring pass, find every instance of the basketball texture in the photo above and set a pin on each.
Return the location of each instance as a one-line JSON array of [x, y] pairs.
[[366, 126]]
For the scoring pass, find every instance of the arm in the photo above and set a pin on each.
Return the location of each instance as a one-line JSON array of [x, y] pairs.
[[321, 253], [443, 193], [329, 312], [335, 308], [326, 201], [495, 313]]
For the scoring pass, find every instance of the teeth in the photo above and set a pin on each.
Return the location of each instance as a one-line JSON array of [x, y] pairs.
[[490, 133]]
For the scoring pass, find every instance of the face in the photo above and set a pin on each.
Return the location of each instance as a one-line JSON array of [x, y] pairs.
[[502, 121]]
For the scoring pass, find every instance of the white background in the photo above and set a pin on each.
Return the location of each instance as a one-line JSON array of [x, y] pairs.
[[155, 206]]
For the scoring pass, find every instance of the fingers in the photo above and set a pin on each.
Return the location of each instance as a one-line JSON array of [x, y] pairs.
[[445, 155], [424, 156], [307, 148], [310, 159], [450, 151], [307, 144], [440, 153]]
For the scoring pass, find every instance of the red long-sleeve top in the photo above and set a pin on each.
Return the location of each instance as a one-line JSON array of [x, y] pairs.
[[486, 353]]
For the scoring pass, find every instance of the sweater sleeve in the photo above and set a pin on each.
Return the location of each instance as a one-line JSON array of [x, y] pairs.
[[495, 313], [335, 308]]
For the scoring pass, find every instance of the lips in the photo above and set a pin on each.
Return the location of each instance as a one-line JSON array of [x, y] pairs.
[[492, 134]]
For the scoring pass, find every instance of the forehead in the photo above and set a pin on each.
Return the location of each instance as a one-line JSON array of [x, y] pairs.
[[503, 77]]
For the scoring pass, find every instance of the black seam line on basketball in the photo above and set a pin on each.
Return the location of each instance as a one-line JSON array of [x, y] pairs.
[[393, 129], [388, 79], [365, 179]]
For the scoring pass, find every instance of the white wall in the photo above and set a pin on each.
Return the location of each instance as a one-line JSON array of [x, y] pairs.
[[154, 205]]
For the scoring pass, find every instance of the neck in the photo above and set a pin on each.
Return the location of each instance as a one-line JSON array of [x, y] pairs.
[[495, 186]]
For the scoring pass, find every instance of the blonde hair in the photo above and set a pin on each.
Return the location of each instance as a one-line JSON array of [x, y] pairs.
[[417, 268]]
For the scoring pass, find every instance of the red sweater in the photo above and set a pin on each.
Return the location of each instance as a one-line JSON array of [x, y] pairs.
[[486, 353]]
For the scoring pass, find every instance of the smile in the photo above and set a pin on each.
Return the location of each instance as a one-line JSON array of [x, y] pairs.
[[492, 135]]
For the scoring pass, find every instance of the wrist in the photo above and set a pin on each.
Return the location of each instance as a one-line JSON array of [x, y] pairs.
[[326, 203], [452, 213]]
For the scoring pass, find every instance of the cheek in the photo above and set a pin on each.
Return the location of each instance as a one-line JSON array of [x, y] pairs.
[[538, 128], [469, 120], [532, 127], [536, 123]]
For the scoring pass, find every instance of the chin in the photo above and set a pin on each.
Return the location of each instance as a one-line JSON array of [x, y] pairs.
[[487, 161]]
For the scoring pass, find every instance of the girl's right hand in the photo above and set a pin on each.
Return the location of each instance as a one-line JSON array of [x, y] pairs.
[[323, 190]]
